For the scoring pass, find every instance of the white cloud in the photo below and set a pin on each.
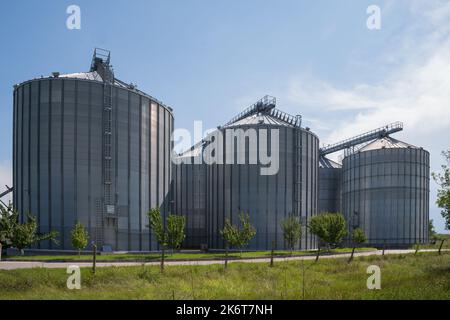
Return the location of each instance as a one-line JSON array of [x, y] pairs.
[[416, 92]]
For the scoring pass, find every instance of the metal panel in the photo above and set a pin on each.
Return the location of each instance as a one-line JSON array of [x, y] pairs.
[[268, 199], [385, 192], [58, 162]]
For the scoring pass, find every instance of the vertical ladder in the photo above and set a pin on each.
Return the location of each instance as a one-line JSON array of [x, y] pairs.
[[298, 177], [297, 174], [101, 64]]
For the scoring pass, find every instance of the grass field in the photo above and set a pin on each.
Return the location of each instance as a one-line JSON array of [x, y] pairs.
[[176, 256], [421, 276], [436, 245]]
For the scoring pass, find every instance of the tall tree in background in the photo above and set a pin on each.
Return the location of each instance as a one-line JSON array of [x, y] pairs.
[[443, 196]]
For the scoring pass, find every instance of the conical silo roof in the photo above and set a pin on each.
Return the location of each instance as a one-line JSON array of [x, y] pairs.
[[386, 143], [324, 162]]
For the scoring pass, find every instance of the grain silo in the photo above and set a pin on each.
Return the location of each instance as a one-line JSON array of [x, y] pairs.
[[92, 148], [190, 195], [237, 181], [329, 185], [386, 192]]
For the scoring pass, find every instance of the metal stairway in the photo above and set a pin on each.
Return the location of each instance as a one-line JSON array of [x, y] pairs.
[[365, 137]]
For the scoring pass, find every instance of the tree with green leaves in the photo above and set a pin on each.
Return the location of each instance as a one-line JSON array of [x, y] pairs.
[[329, 228], [431, 230], [292, 231], [238, 236], [443, 196], [171, 236], [175, 231], [80, 237], [358, 238], [8, 220], [26, 234]]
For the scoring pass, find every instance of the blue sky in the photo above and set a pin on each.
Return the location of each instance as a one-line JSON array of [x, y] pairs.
[[210, 59]]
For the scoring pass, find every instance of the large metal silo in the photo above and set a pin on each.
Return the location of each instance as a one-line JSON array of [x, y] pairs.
[[91, 148], [268, 198], [329, 185], [386, 192], [190, 194]]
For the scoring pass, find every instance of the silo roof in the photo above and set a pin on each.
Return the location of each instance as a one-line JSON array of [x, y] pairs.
[[386, 143], [95, 76], [260, 118], [324, 162]]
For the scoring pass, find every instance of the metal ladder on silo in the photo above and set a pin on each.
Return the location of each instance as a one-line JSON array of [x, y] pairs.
[[101, 61], [298, 174]]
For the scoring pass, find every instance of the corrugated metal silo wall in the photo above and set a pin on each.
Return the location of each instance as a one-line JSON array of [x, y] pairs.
[[386, 193], [234, 188], [58, 158], [190, 201], [330, 189]]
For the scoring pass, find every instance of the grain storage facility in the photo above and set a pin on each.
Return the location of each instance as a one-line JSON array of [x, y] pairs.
[[329, 185], [92, 148], [88, 147], [385, 189], [238, 185], [190, 194]]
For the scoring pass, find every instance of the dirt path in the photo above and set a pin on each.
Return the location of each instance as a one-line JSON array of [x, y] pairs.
[[11, 265]]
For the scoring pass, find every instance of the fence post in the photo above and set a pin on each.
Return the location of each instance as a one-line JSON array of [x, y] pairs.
[[271, 253], [440, 247], [94, 259]]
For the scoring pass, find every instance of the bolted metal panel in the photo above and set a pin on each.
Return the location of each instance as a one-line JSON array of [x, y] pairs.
[[58, 160], [385, 192], [190, 200], [330, 189], [268, 199]]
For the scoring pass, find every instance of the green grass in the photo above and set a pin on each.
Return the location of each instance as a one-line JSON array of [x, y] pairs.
[[438, 243], [421, 276], [176, 256]]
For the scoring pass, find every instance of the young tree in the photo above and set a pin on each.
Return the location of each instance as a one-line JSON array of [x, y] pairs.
[[248, 231], [8, 221], [443, 196], [358, 238], [175, 231], [238, 236], [25, 234], [157, 226], [80, 237], [172, 236], [292, 231], [329, 228]]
